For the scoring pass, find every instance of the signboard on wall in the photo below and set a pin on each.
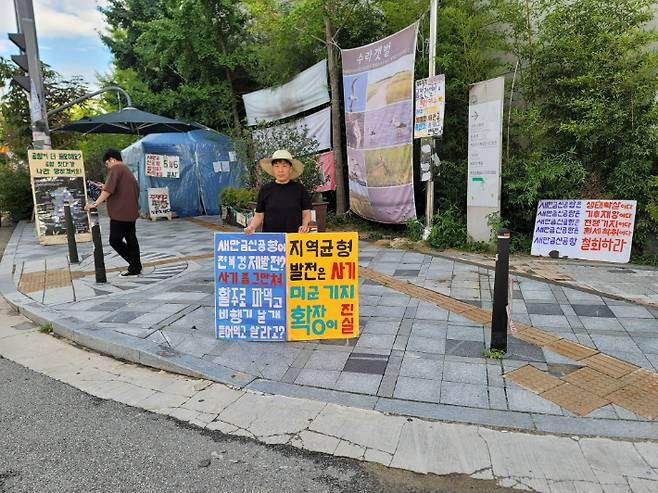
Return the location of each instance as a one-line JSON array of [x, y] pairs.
[[278, 287], [159, 205], [585, 229], [162, 166], [58, 176]]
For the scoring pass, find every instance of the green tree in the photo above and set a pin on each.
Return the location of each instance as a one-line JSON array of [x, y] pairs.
[[182, 59], [586, 114]]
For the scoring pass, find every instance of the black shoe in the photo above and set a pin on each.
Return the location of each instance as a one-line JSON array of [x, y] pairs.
[[128, 273]]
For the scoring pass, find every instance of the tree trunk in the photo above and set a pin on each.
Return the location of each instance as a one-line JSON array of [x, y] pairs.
[[229, 78], [336, 116]]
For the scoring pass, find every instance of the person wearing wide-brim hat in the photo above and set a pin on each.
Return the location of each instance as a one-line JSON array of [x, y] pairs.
[[283, 205]]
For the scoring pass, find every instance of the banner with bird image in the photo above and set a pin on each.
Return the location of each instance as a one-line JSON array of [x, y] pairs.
[[379, 117]]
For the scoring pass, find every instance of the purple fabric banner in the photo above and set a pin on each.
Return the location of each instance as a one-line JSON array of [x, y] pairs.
[[378, 82]]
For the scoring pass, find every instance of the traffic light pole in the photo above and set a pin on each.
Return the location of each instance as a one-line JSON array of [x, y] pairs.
[[32, 82]]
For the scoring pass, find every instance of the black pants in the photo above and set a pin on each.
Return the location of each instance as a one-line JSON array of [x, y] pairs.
[[129, 250]]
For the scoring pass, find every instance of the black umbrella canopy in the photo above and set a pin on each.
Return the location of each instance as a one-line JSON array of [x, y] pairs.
[[128, 121]]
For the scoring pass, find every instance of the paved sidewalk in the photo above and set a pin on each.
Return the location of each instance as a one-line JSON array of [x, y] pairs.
[[580, 363], [520, 460]]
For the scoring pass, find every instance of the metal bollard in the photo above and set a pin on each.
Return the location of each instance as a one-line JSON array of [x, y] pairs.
[[99, 259], [70, 234], [500, 297]]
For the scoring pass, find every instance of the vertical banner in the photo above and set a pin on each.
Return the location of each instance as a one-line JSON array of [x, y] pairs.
[[585, 229], [322, 282], [58, 177], [378, 80], [485, 146], [250, 291], [430, 106]]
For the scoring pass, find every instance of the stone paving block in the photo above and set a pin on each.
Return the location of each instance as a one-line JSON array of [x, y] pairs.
[[548, 321], [594, 324], [358, 382], [533, 379], [647, 344], [327, 360], [378, 341], [648, 326], [429, 311], [543, 309], [520, 399], [575, 399], [465, 333], [421, 368], [464, 394], [595, 310], [464, 373], [387, 327], [426, 344], [417, 389], [469, 349], [613, 367], [497, 398], [317, 378], [431, 330], [571, 349], [631, 311]]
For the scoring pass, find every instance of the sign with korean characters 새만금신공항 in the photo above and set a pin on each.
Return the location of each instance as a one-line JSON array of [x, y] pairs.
[[585, 229], [278, 287]]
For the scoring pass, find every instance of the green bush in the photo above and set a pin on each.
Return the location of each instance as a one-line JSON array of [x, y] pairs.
[[15, 192], [415, 228], [448, 229], [237, 197]]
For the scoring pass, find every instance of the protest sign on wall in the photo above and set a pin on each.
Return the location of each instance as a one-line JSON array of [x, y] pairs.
[[277, 287], [585, 229], [430, 106], [378, 83], [158, 199], [162, 166], [322, 278], [58, 177]]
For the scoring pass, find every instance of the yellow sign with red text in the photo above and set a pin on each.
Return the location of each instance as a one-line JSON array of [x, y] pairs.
[[322, 281]]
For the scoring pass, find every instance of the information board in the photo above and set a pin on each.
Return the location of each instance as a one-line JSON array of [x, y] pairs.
[[162, 166], [430, 106], [158, 199], [278, 287], [58, 176], [585, 229]]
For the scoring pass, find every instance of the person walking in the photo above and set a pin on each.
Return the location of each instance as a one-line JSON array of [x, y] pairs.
[[121, 192], [283, 205]]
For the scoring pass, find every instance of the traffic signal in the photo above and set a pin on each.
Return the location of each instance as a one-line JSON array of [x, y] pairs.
[[21, 60]]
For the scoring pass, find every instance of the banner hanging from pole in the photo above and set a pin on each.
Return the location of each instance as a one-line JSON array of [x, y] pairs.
[[378, 81]]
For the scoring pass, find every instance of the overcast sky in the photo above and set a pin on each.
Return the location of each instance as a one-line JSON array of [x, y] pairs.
[[68, 36]]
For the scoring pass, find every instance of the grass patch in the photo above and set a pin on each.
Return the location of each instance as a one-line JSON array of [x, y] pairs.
[[494, 354], [46, 328]]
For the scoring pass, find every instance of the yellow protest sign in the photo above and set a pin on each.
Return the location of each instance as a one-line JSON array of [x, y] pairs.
[[322, 281]]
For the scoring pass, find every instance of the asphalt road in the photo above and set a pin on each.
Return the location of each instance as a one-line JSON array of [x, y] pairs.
[[56, 438]]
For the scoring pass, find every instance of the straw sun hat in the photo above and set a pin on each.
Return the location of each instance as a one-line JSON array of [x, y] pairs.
[[297, 166]]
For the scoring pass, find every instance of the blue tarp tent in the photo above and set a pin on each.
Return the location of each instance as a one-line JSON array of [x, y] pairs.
[[207, 165]]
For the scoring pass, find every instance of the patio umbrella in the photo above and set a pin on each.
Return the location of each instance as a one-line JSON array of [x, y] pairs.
[[128, 121]]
